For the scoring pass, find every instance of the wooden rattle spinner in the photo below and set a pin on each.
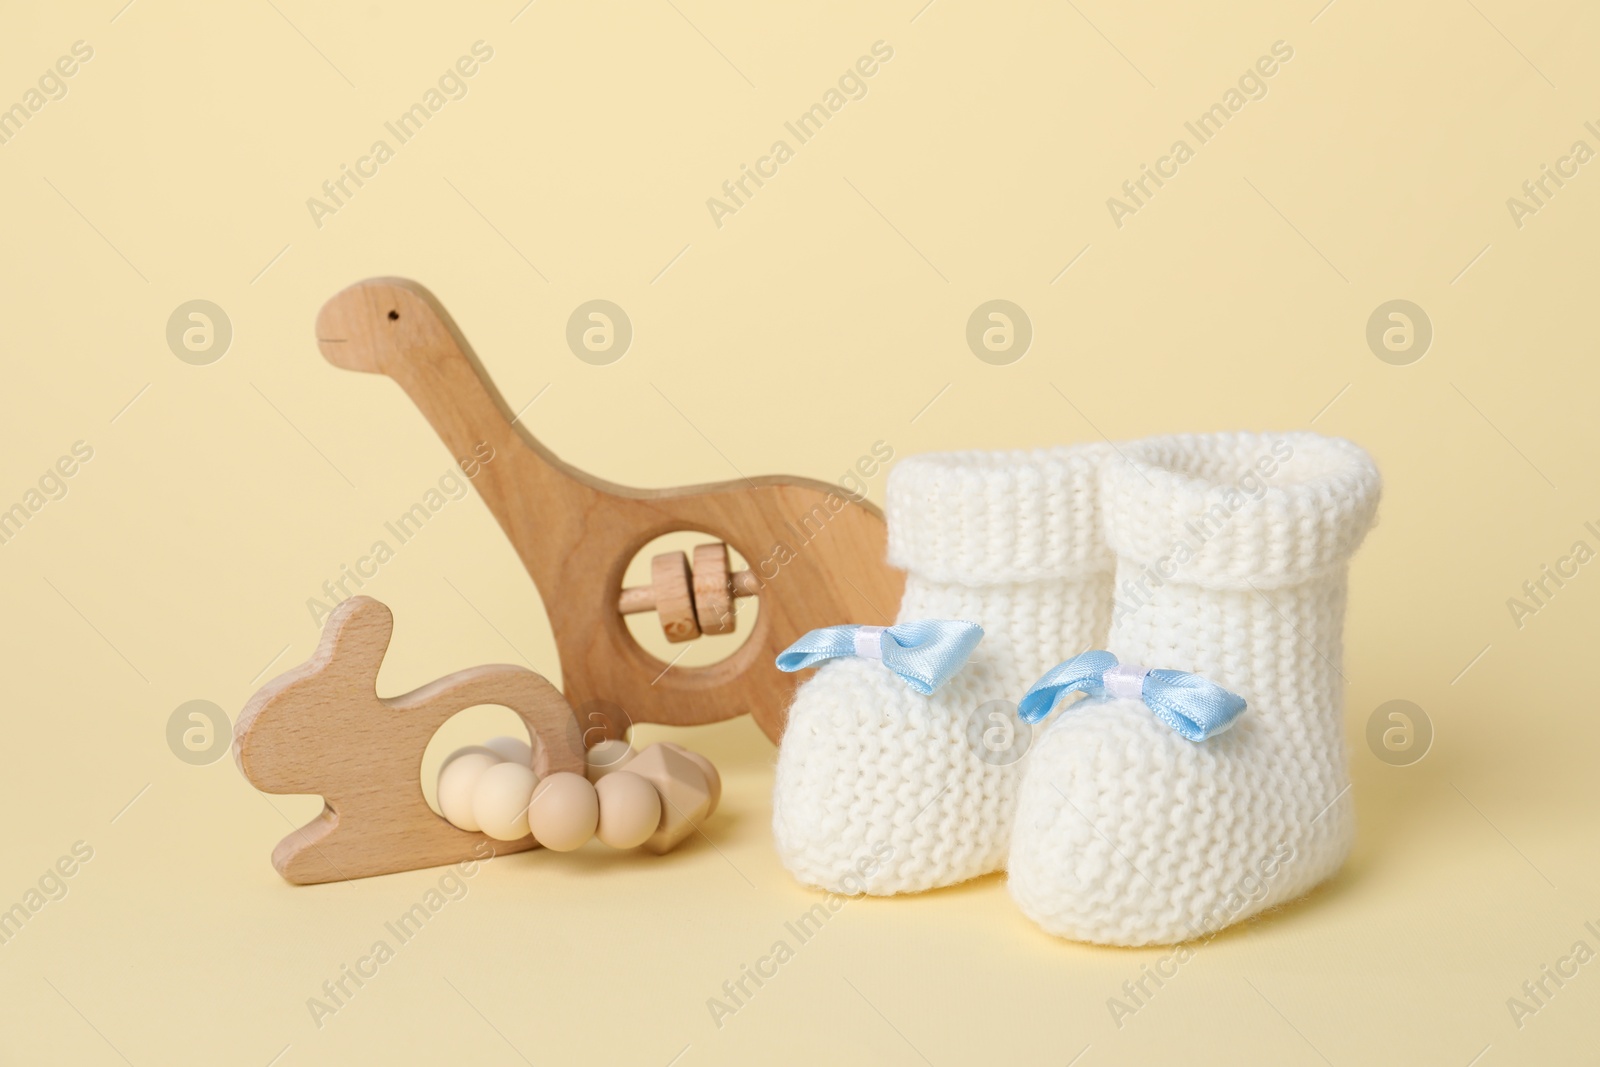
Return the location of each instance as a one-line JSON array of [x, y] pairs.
[[691, 602]]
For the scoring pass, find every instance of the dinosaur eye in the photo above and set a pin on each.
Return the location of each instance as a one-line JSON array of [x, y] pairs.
[[394, 316]]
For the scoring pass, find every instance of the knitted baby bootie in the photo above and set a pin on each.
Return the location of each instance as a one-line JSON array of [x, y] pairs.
[[1232, 555], [883, 790]]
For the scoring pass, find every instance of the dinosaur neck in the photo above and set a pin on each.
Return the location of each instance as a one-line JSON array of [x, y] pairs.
[[527, 488]]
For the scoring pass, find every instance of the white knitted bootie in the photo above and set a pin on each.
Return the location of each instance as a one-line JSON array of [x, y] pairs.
[[883, 790], [1232, 555]]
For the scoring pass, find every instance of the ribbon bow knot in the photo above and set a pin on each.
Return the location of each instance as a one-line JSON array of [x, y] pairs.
[[1196, 707], [925, 654]]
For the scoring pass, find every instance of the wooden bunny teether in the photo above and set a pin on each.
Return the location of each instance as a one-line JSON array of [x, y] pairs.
[[322, 728]]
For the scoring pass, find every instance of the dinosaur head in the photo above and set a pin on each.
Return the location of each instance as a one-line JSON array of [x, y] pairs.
[[372, 322]]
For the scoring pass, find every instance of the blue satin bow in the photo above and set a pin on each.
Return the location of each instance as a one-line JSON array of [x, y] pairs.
[[1195, 707], [925, 654]]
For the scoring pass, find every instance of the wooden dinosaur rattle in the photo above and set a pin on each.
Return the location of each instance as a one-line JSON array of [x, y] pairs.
[[322, 728], [820, 553]]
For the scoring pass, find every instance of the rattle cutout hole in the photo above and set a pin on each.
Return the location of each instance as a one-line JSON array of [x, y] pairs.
[[647, 627], [469, 726]]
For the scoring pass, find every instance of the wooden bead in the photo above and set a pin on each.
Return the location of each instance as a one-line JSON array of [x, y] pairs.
[[511, 749], [713, 589], [630, 810], [707, 768], [467, 751], [670, 577], [500, 800], [457, 779], [685, 796], [608, 756], [564, 812]]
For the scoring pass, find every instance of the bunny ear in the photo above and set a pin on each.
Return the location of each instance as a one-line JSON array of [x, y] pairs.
[[354, 641], [356, 636], [344, 666]]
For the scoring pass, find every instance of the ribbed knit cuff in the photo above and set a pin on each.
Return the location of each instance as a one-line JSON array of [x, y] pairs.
[[1231, 511], [981, 518]]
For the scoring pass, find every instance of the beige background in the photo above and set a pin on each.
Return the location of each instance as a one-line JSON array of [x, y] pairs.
[[825, 315]]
